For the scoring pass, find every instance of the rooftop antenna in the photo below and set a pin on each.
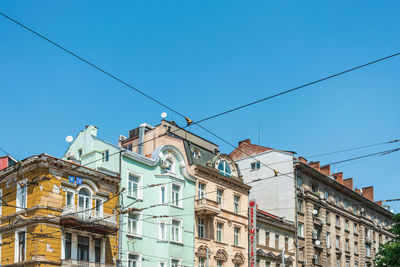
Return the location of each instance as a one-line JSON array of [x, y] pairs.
[[69, 138], [259, 134]]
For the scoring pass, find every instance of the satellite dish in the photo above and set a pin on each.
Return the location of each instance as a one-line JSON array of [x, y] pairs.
[[69, 138], [163, 115], [317, 242]]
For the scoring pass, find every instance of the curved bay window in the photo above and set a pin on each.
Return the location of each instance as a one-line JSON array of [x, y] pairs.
[[224, 168]]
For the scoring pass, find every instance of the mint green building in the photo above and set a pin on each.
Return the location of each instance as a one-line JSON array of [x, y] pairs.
[[162, 234]]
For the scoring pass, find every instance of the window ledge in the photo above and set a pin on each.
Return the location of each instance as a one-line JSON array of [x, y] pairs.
[[222, 243], [162, 241], [237, 246], [176, 243], [178, 207], [347, 231], [337, 227], [134, 236]]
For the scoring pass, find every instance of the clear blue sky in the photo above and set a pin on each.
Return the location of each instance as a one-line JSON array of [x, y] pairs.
[[203, 57]]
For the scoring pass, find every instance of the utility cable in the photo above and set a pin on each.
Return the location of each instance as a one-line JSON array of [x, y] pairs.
[[382, 153]]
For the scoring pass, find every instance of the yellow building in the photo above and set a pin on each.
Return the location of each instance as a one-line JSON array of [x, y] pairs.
[[57, 213]]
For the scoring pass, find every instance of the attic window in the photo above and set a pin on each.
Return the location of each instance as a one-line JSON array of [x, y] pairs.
[[80, 152], [224, 168], [196, 154], [255, 165], [105, 155]]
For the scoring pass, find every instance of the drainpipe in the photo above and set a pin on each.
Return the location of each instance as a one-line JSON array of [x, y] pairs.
[[142, 128], [120, 220], [297, 224], [208, 251]]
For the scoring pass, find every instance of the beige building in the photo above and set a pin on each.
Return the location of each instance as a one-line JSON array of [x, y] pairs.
[[337, 225], [275, 236], [221, 201]]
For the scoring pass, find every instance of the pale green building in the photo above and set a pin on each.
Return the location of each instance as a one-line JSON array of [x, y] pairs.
[[159, 230]]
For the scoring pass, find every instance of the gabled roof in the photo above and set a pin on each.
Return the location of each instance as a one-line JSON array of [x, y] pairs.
[[245, 149]]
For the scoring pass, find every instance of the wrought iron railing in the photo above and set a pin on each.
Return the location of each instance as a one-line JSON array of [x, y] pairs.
[[89, 215]]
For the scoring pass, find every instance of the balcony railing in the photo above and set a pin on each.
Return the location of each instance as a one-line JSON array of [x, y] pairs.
[[207, 207], [78, 263], [88, 217]]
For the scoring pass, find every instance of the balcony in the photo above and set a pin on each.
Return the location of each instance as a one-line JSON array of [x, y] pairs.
[[88, 220], [78, 263], [204, 206]]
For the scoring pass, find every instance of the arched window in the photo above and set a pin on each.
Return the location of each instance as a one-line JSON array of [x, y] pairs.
[[224, 168], [84, 202]]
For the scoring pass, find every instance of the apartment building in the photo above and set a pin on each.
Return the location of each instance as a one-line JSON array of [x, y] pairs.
[[57, 213], [337, 225], [156, 227], [221, 198], [275, 240]]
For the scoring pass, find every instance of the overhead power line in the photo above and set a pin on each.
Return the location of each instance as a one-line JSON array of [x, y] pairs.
[[381, 153], [93, 65]]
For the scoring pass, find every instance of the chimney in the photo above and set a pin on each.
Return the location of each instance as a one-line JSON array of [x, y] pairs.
[[326, 170], [304, 160], [357, 191], [348, 183], [379, 203], [247, 141], [91, 130], [338, 177], [368, 193], [142, 131], [314, 164]]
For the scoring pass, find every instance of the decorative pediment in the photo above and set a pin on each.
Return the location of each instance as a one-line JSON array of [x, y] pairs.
[[261, 252], [202, 251], [221, 255], [289, 259], [271, 255], [239, 258]]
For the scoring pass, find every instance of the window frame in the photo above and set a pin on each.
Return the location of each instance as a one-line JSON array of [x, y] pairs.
[[163, 190], [179, 200], [21, 206], [201, 227], [179, 230], [139, 194], [236, 236], [129, 224], [139, 260], [162, 233], [220, 231], [17, 253]]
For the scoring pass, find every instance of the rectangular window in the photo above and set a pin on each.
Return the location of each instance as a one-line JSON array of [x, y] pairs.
[[328, 239], [175, 263], [21, 196], [346, 225], [267, 239], [300, 205], [162, 231], [236, 200], [21, 246], [346, 204], [99, 208], [176, 233], [300, 230], [163, 194], [69, 201], [176, 194], [134, 223], [356, 247], [336, 200], [220, 196], [368, 250], [328, 217], [134, 182], [347, 245], [97, 249], [201, 228], [299, 182], [133, 260], [202, 262], [337, 241], [201, 191], [337, 220], [355, 228], [277, 241], [354, 208], [105, 155], [83, 248], [326, 194], [286, 244], [314, 188], [255, 165], [220, 231], [68, 245], [236, 235]]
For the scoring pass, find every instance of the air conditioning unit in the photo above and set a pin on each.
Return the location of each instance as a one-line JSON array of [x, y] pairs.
[[70, 154]]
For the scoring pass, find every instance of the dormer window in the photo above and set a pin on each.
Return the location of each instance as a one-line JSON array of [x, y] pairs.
[[255, 165], [224, 168]]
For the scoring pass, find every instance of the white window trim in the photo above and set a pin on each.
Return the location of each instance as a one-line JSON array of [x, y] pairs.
[[165, 195], [101, 206], [160, 232], [136, 254], [16, 247], [139, 226], [180, 202], [73, 196], [140, 185], [222, 232], [18, 204], [180, 232]]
